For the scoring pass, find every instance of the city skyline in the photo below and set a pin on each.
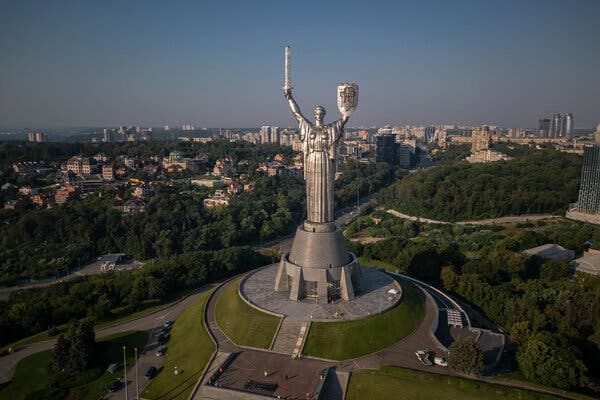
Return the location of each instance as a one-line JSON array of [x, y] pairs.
[[109, 64]]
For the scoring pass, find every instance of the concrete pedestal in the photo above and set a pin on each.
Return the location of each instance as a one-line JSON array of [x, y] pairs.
[[318, 265]]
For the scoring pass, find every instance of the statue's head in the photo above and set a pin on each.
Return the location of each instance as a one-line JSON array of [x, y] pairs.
[[319, 113]]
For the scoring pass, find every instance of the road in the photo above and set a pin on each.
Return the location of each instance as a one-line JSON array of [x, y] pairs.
[[90, 269], [146, 323], [490, 221]]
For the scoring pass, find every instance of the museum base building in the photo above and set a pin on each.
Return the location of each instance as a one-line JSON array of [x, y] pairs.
[[319, 266]]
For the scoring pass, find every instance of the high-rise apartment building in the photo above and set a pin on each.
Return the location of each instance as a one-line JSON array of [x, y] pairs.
[[543, 127], [385, 148], [481, 139], [39, 137], [274, 134], [556, 126], [265, 134], [589, 189], [568, 126]]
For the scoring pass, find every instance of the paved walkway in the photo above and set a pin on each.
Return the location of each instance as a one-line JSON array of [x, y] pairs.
[[290, 331], [223, 343]]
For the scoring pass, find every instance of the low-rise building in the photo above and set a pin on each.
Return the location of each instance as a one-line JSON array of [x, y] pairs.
[[589, 263], [210, 183], [486, 156], [219, 198], [16, 205], [552, 251], [82, 165], [223, 167], [108, 173], [31, 168], [142, 191], [235, 188], [66, 194], [28, 190], [87, 183], [133, 206], [41, 199]]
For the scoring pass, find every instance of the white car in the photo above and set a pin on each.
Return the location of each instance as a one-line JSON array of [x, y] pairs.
[[441, 361]]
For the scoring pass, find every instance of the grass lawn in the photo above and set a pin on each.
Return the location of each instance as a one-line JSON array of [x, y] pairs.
[[351, 339], [189, 348], [377, 263], [394, 383], [244, 325], [32, 374]]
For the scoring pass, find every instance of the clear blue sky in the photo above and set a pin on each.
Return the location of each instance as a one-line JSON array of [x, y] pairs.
[[220, 63]]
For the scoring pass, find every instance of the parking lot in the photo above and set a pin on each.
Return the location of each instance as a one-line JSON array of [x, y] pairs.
[[147, 358]]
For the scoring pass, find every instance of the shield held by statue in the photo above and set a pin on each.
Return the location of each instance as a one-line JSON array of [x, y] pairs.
[[347, 98]]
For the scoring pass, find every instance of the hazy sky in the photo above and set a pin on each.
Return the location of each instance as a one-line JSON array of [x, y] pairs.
[[220, 63]]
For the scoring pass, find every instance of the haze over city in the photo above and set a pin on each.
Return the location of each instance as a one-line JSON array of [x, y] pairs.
[[221, 63]]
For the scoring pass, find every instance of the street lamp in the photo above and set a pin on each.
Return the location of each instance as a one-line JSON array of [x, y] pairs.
[[137, 387], [125, 372]]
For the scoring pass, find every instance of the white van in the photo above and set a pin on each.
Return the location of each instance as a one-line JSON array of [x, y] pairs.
[[441, 361]]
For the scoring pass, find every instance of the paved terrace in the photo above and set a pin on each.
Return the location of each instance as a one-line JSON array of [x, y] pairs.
[[257, 289]]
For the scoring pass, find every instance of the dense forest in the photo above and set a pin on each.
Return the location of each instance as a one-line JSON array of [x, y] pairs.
[[539, 182], [106, 296], [552, 316]]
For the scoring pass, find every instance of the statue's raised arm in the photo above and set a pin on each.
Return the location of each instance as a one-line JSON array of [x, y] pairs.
[[293, 105]]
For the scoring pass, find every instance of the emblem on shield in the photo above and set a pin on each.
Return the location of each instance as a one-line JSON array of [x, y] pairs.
[[347, 98]]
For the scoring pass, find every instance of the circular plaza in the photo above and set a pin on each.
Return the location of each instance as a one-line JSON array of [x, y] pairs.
[[378, 293]]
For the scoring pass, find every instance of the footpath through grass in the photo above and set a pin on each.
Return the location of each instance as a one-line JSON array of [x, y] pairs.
[[394, 383], [189, 348], [351, 339], [32, 377], [244, 325]]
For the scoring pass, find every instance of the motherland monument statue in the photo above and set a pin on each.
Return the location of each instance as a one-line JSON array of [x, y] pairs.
[[319, 266]]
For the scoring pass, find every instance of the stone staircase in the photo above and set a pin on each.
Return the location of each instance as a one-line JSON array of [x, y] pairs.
[[291, 336]]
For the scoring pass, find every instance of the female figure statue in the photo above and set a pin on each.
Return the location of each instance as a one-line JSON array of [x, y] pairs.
[[319, 144]]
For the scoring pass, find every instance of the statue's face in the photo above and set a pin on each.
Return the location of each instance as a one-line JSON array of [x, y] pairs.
[[319, 114]]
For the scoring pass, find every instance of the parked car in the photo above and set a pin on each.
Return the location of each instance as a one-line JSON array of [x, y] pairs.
[[150, 373], [441, 361], [168, 324], [423, 356], [162, 339], [160, 351], [114, 385]]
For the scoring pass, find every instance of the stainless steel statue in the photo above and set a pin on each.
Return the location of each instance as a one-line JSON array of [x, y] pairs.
[[318, 265], [320, 144]]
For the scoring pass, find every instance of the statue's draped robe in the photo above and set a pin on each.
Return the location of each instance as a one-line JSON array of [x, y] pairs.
[[320, 153]]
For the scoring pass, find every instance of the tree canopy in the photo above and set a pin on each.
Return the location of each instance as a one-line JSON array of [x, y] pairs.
[[541, 182]]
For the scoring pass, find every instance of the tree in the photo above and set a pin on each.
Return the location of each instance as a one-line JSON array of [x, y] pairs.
[[466, 356], [60, 355], [74, 350], [449, 277], [543, 360]]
